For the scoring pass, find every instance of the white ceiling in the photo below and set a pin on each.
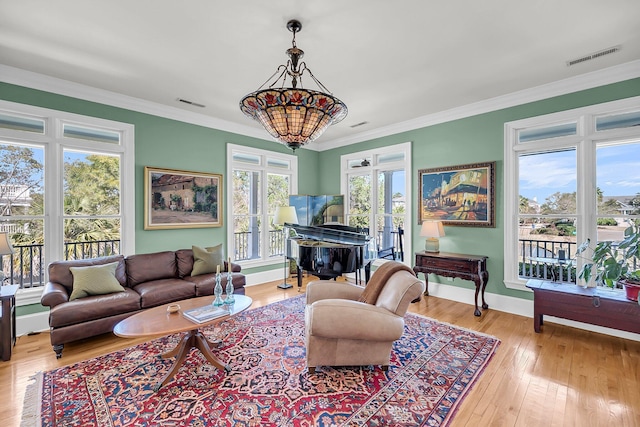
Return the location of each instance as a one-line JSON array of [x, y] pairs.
[[389, 61]]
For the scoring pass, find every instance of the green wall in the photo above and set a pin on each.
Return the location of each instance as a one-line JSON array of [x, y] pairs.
[[173, 144], [473, 139]]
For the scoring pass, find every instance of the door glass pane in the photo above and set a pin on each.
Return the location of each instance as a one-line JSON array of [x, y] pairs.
[[91, 184], [391, 201], [246, 221], [90, 238], [277, 191], [548, 182], [359, 204], [26, 266], [618, 188], [22, 213], [246, 194], [21, 180]]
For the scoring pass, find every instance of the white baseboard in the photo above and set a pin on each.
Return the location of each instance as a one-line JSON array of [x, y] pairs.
[[35, 322], [518, 306]]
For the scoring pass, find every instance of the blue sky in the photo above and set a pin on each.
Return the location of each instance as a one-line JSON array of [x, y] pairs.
[[617, 172]]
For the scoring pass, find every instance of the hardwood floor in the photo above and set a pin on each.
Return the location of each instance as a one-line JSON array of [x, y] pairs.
[[560, 377]]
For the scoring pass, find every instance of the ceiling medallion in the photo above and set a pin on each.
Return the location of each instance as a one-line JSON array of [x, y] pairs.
[[293, 115]]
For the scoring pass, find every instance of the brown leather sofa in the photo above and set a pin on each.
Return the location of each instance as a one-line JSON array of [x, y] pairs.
[[149, 280]]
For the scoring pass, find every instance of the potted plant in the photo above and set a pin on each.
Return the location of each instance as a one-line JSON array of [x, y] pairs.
[[614, 263]]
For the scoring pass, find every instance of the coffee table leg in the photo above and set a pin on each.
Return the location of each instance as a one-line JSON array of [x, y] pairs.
[[181, 352], [191, 339], [205, 347]]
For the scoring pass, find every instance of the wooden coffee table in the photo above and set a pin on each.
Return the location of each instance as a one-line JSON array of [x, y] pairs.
[[158, 321]]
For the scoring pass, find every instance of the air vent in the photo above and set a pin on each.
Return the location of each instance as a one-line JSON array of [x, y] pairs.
[[195, 104], [358, 124], [594, 55]]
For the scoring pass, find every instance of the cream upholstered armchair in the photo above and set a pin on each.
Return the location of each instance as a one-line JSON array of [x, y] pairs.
[[348, 325]]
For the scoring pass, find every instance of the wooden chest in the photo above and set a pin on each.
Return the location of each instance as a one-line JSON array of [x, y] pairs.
[[594, 306]]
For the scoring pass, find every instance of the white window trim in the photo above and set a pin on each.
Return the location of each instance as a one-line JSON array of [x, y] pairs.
[[263, 167], [406, 165], [53, 142], [585, 142]]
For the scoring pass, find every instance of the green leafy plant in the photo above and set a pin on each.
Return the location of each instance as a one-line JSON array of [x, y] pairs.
[[612, 262]]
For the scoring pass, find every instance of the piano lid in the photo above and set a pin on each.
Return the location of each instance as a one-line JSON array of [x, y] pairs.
[[330, 233]]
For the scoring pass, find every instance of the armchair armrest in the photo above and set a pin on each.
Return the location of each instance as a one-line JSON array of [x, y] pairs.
[[54, 294], [339, 318], [324, 289]]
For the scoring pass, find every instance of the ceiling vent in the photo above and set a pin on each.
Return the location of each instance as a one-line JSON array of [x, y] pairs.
[[358, 124], [594, 55], [195, 104]]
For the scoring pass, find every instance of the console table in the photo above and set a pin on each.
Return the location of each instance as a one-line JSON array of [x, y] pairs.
[[7, 320], [467, 267], [595, 306]]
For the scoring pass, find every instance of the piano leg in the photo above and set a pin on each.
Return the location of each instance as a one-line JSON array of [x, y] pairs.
[[299, 279]]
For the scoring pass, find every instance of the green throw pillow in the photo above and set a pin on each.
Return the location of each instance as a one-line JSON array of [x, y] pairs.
[[94, 280], [207, 260]]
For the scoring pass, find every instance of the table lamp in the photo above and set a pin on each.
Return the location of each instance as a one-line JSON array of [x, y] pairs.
[[5, 249], [285, 214], [432, 230]]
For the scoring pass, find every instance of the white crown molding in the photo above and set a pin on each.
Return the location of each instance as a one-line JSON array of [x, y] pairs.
[[64, 87], [33, 80], [629, 70]]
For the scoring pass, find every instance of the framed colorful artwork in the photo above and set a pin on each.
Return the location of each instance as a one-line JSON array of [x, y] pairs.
[[181, 199], [458, 195]]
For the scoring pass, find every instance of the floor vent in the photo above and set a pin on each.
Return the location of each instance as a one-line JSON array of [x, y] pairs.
[[195, 104], [594, 55]]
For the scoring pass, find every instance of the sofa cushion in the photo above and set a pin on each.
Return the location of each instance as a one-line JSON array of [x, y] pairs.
[[94, 307], [155, 266], [163, 291], [59, 270], [207, 260], [206, 282], [184, 258], [94, 280]]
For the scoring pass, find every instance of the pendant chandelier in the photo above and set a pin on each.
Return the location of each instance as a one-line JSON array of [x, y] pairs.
[[293, 115]]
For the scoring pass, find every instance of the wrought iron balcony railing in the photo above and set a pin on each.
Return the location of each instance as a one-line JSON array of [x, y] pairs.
[[26, 266]]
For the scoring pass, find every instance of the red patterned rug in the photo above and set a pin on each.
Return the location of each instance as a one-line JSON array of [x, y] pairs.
[[433, 367]]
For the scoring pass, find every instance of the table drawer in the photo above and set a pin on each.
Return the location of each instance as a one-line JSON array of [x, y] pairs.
[[445, 264]]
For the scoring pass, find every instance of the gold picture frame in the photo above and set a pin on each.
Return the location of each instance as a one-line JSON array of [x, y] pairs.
[[181, 199], [461, 195]]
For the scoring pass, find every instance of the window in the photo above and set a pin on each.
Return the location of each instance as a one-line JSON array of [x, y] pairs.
[[569, 177], [260, 182], [376, 186], [61, 190]]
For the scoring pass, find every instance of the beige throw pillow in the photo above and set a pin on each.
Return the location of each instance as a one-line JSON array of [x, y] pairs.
[[207, 260], [94, 280]]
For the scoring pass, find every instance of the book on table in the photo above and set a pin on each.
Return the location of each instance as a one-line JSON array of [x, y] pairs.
[[205, 313]]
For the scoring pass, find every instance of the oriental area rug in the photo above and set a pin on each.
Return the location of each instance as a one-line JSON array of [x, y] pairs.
[[433, 367]]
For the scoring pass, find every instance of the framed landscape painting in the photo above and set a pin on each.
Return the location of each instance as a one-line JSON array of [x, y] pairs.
[[458, 195], [181, 199]]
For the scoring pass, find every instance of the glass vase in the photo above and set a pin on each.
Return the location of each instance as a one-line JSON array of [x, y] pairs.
[[217, 291], [229, 299]]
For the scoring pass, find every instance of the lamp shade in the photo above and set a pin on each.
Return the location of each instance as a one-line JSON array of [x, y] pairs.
[[432, 229], [285, 214], [5, 244]]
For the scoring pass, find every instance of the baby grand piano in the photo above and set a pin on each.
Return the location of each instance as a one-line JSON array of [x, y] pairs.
[[328, 250]]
